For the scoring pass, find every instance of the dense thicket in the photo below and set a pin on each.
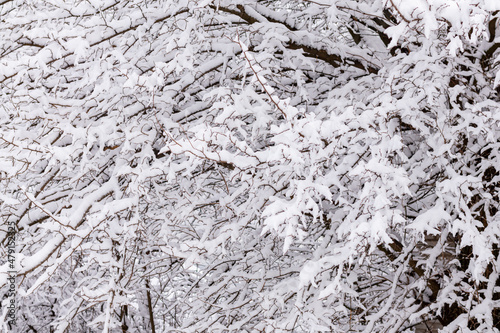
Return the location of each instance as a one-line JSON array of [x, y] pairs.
[[251, 165]]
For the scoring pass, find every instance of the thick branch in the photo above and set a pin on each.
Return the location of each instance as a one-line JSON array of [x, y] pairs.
[[334, 60]]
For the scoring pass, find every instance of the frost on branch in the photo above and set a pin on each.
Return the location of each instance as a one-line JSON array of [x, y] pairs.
[[251, 166]]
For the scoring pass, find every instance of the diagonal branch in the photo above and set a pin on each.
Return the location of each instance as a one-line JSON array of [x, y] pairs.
[[332, 59]]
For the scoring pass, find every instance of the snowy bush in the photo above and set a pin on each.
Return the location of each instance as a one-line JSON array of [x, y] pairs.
[[251, 166]]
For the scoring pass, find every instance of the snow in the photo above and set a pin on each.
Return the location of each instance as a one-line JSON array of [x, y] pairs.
[[250, 167]]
